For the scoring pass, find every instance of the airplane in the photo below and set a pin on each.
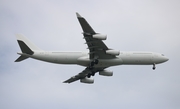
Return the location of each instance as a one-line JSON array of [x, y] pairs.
[[96, 60]]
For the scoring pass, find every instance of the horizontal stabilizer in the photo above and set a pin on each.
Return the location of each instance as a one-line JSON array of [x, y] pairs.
[[21, 58]]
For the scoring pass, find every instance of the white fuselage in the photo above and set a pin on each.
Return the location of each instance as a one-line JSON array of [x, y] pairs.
[[82, 58]]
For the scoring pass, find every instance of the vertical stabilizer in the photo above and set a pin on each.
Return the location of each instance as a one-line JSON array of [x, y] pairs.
[[21, 38], [26, 47]]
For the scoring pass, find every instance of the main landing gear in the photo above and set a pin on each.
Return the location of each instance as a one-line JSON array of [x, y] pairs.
[[95, 61], [154, 66], [92, 73]]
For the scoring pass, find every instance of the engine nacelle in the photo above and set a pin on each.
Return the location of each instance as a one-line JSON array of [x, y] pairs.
[[106, 73], [113, 52], [99, 36], [87, 80]]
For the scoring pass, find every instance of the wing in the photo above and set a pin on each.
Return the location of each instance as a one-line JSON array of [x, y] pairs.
[[97, 48], [83, 74]]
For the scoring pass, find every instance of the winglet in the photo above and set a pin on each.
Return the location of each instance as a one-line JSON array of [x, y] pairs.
[[78, 15]]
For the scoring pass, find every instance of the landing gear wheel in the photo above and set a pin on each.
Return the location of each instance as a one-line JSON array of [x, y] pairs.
[[93, 73], [89, 75], [154, 67]]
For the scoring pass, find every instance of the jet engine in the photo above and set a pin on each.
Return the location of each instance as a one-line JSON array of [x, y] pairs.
[[106, 73], [113, 52], [99, 36], [87, 80]]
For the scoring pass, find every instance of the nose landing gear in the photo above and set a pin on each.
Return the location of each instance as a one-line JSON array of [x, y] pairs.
[[154, 66]]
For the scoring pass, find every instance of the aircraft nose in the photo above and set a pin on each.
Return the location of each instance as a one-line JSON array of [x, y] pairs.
[[160, 59], [165, 59]]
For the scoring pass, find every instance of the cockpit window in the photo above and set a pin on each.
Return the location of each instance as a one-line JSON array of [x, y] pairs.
[[162, 54]]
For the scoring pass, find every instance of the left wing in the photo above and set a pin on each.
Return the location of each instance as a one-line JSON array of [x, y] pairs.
[[82, 76]]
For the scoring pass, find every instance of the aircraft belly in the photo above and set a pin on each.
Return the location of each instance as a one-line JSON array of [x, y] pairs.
[[59, 57], [68, 58], [109, 62], [137, 59], [85, 61]]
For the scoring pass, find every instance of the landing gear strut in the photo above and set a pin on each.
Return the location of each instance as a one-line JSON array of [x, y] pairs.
[[154, 66], [95, 61], [89, 75]]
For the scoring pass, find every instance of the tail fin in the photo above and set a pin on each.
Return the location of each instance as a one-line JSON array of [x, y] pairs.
[[26, 47]]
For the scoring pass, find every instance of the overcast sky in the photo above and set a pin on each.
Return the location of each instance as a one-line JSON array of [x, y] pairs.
[[131, 25]]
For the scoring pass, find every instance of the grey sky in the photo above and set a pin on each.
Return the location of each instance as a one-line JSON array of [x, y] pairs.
[[135, 25]]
